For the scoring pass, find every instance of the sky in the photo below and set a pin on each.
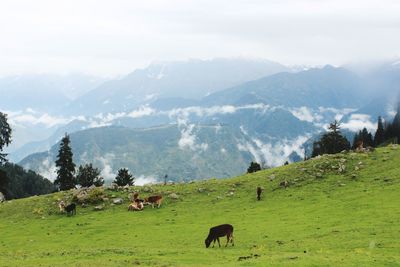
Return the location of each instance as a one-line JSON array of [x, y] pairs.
[[115, 37]]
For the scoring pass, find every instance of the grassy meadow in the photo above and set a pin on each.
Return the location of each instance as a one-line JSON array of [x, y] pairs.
[[339, 210]]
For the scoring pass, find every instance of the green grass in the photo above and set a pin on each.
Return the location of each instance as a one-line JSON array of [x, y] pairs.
[[324, 218]]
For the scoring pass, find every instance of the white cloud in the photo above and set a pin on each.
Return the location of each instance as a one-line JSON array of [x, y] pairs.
[[188, 140], [106, 169], [25, 119], [148, 179], [141, 112], [357, 122], [67, 36], [48, 169], [304, 114], [273, 154]]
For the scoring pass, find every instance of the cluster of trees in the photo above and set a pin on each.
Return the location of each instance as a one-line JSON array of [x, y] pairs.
[[386, 132], [86, 175], [15, 182], [254, 167], [334, 142]]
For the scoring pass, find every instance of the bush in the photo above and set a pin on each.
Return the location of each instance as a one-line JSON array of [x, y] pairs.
[[92, 196], [95, 195]]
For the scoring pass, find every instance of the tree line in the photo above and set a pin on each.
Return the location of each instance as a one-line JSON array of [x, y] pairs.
[[15, 181], [334, 141]]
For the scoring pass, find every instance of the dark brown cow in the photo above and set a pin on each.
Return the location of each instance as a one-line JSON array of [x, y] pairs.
[[220, 231], [259, 191]]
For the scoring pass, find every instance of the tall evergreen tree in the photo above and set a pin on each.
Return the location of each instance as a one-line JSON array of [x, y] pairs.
[[396, 125], [5, 135], [124, 177], [88, 175], [66, 168], [331, 142], [379, 137], [3, 181]]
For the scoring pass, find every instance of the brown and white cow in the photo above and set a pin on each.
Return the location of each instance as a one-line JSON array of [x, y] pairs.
[[153, 200]]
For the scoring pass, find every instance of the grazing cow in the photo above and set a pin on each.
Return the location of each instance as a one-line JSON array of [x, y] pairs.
[[152, 200], [70, 209], [259, 191], [220, 231], [61, 206]]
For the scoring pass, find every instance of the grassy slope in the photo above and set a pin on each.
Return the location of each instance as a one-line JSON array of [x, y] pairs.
[[336, 220]]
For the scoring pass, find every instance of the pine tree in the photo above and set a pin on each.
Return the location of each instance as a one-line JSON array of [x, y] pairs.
[[124, 177], [331, 142], [254, 167], [366, 138], [356, 140], [5, 135], [396, 125], [66, 168], [3, 181], [88, 175], [379, 137]]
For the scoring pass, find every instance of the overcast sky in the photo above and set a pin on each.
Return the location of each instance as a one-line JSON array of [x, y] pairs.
[[116, 36]]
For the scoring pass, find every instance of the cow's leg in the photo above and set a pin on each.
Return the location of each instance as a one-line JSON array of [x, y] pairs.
[[232, 240], [214, 242], [227, 239], [219, 244]]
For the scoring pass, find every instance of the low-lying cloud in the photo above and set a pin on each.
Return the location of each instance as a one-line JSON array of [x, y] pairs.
[[273, 154], [188, 140], [357, 122], [145, 179]]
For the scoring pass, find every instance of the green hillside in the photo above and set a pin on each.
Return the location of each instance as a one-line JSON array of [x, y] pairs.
[[339, 210]]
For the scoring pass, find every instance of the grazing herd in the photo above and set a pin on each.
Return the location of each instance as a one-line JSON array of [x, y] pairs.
[[138, 204]]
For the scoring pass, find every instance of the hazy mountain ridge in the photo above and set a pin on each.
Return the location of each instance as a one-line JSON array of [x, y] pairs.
[[274, 116], [191, 79], [43, 92]]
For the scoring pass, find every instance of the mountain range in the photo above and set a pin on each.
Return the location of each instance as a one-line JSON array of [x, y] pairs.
[[267, 112]]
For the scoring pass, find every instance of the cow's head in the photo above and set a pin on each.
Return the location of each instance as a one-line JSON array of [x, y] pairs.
[[207, 242]]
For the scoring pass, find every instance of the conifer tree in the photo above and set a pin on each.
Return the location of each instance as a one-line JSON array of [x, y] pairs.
[[379, 137], [5, 135], [88, 175], [396, 125], [124, 177], [331, 142], [254, 167], [66, 168]]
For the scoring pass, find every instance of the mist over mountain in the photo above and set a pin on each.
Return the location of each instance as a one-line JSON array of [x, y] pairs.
[[177, 81], [267, 118], [43, 92], [325, 87]]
